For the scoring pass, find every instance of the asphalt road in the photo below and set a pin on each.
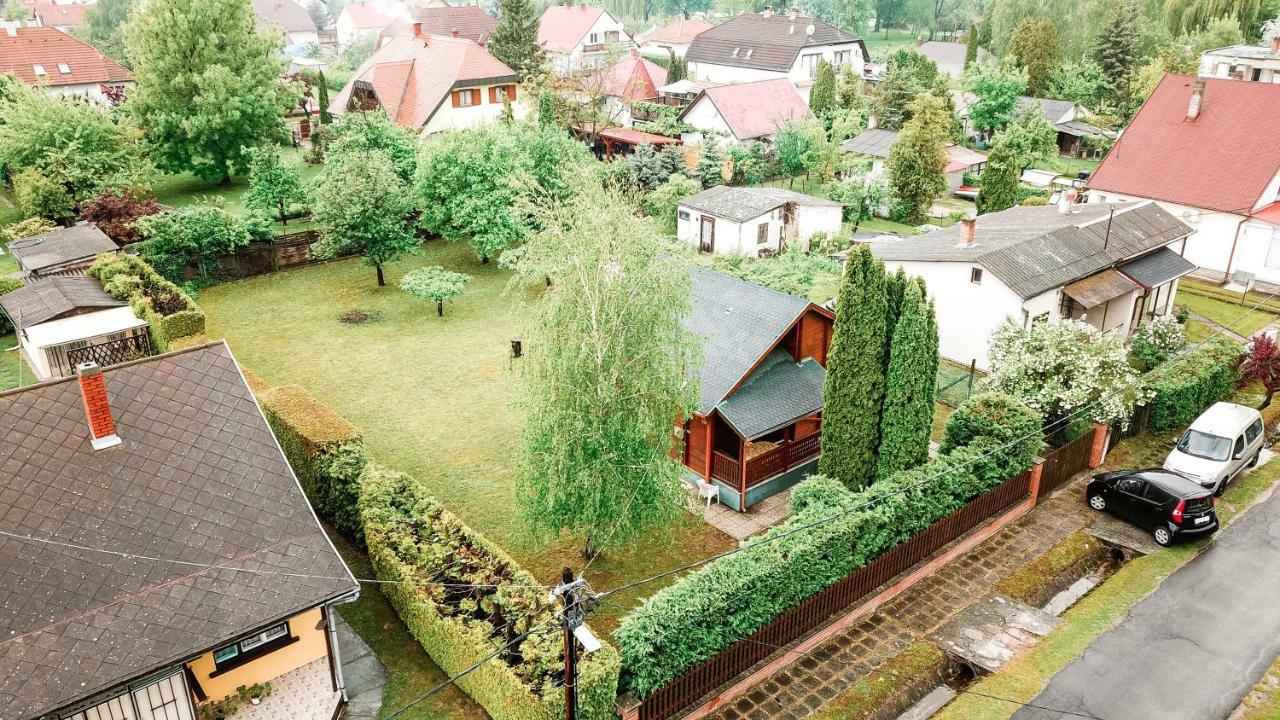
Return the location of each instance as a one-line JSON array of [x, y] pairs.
[[1192, 649]]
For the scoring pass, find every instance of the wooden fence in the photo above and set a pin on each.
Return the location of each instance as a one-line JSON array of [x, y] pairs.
[[1061, 464], [706, 677], [284, 251]]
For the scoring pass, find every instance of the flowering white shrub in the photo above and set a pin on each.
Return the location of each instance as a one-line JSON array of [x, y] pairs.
[[1065, 366], [1157, 341]]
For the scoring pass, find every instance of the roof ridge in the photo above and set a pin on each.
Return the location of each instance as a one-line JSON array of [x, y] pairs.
[[128, 363]]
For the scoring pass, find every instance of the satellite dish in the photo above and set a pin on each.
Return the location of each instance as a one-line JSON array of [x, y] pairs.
[[810, 30]]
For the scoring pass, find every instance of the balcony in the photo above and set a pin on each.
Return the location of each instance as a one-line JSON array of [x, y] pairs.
[[768, 465]]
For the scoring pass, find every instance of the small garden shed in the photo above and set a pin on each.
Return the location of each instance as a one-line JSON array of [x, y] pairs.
[[754, 221]]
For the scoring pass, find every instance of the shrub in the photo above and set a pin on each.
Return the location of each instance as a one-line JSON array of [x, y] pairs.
[[1035, 200], [1015, 427], [1156, 341], [418, 545], [41, 196], [26, 228], [7, 285], [730, 598], [1184, 386], [170, 312], [1026, 193], [116, 209]]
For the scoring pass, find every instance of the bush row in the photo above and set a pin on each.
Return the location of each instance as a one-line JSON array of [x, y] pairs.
[[326, 452], [170, 312], [1184, 386], [413, 539], [727, 600]]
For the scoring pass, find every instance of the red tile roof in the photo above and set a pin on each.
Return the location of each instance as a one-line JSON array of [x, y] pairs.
[[413, 76], [60, 15], [634, 78], [1270, 213], [470, 21], [562, 26], [367, 17], [47, 47], [1222, 160], [287, 14], [680, 31], [755, 109]]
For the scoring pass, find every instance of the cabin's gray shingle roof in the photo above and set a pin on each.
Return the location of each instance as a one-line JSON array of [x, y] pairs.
[[1053, 110], [741, 204], [764, 43], [1034, 249], [60, 246], [198, 478], [874, 142], [49, 298], [740, 322], [775, 395]]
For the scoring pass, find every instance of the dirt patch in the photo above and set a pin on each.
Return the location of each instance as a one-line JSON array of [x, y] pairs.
[[357, 317]]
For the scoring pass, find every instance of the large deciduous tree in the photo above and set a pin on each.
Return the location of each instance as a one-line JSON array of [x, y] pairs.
[[196, 233], [103, 27], [273, 186], [609, 366], [208, 84], [515, 40], [996, 89], [365, 210], [918, 158], [908, 74], [910, 382], [362, 132], [1036, 48], [854, 387]]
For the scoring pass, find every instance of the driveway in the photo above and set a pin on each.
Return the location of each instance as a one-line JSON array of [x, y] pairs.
[[1193, 648]]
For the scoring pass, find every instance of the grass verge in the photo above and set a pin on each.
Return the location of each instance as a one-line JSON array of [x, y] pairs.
[[1240, 319], [1263, 703], [871, 692], [1031, 579]]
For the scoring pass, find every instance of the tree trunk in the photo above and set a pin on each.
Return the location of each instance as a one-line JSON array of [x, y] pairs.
[[484, 260], [381, 280], [590, 551], [439, 308], [284, 215], [1267, 400]]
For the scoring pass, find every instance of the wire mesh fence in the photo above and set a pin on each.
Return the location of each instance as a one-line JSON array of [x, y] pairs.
[[956, 382]]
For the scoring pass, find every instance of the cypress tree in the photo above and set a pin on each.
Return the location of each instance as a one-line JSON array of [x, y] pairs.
[[514, 40], [1117, 50], [854, 386], [822, 96], [998, 186], [546, 109], [323, 99], [907, 419], [894, 287], [970, 45]]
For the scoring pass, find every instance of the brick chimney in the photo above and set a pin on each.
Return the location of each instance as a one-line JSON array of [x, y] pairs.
[[968, 231], [1197, 100], [767, 12], [97, 408], [793, 13], [417, 29], [1066, 202]]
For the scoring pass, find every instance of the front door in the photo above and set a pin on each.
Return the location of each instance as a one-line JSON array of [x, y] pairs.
[[707, 235]]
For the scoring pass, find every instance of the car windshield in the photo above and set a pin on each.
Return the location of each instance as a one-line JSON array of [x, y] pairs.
[[1203, 445]]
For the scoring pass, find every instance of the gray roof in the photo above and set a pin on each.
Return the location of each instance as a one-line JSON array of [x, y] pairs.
[[740, 204], [872, 141], [764, 43], [1157, 268], [949, 56], [1253, 52], [777, 394], [198, 478], [1079, 128], [59, 247], [1053, 110], [1034, 249], [52, 298], [740, 322]]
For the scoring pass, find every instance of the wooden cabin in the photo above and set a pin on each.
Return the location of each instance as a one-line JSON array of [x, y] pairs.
[[758, 428]]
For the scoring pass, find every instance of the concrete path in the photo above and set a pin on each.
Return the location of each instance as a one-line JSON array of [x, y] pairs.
[[1192, 649], [363, 672]]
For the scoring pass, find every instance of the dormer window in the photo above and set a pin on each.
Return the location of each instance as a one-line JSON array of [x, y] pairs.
[[64, 69], [39, 70]]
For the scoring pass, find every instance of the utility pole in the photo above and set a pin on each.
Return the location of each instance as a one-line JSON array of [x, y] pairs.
[[577, 598]]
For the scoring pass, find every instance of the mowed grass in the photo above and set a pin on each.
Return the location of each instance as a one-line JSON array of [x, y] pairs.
[[13, 371], [435, 397], [1237, 317], [187, 189]]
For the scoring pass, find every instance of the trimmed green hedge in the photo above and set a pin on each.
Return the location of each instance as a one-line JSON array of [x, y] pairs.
[[412, 538], [171, 312], [325, 450], [1015, 427], [1188, 384], [727, 600]]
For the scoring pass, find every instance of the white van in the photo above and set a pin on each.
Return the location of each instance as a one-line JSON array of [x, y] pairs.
[[1218, 446]]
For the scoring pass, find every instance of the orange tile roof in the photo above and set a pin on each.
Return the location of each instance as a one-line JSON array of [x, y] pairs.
[[634, 78], [60, 15], [50, 47], [413, 76], [755, 109], [562, 26], [679, 31]]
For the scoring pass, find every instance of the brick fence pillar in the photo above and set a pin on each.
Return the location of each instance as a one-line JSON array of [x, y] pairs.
[[1033, 487], [628, 707], [1099, 450]]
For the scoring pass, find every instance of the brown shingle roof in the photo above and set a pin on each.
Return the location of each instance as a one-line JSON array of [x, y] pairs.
[[198, 478], [765, 43], [60, 14], [285, 14], [470, 21], [47, 47], [679, 31], [54, 297], [59, 247]]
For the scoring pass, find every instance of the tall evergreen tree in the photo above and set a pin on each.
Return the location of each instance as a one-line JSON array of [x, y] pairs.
[[1116, 51], [907, 419], [998, 186], [854, 386], [326, 117], [918, 158], [515, 40], [1036, 47], [895, 285], [822, 96], [546, 109], [677, 67], [970, 45]]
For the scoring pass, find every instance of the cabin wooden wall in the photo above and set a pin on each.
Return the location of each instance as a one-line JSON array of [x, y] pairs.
[[696, 445], [815, 336]]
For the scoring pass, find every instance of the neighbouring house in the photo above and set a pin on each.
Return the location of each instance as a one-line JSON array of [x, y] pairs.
[[754, 221], [874, 143], [1254, 63], [1115, 266], [747, 111], [1076, 136], [59, 63], [949, 56], [1208, 151], [758, 427], [578, 36], [470, 22], [364, 19], [162, 553], [674, 37], [64, 16], [767, 45], [64, 251], [290, 17], [619, 86], [62, 322], [431, 83]]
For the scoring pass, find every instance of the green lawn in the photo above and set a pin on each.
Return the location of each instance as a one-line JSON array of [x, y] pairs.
[[1237, 317], [13, 372], [8, 209], [881, 44], [1071, 166], [434, 396], [185, 188]]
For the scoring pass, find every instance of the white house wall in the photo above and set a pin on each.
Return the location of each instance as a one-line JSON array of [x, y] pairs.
[[563, 63], [798, 74], [816, 219], [1209, 247], [448, 117], [704, 116]]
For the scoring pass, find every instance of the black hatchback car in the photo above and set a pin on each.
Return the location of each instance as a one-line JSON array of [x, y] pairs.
[[1165, 504]]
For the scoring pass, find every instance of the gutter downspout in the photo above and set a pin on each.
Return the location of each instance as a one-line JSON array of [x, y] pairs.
[[1226, 275], [332, 629]]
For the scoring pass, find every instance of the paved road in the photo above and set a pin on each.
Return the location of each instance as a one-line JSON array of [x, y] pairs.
[[1192, 649]]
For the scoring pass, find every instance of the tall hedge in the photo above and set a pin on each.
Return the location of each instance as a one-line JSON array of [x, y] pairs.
[[1188, 384], [325, 450], [906, 419], [170, 312], [730, 598], [1016, 428], [413, 539]]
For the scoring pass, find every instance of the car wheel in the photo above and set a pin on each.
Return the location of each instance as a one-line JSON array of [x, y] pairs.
[[1254, 461], [1162, 536], [1097, 502], [1222, 487]]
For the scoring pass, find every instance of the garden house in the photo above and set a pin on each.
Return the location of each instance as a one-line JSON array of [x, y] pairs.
[[65, 251], [753, 221], [758, 427]]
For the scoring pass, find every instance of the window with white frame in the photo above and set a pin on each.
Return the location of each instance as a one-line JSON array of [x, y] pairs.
[[762, 233], [684, 214], [810, 64], [230, 654], [64, 68], [975, 275], [840, 57], [39, 70]]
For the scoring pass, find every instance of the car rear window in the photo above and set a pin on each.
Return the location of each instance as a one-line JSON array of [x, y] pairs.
[[1199, 504], [1156, 494], [1204, 445]]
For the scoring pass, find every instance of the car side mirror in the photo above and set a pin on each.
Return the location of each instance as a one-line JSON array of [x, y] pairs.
[[1238, 455]]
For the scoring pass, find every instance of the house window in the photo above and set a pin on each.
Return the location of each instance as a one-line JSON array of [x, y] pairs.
[[224, 654], [466, 98], [975, 276], [810, 64], [684, 214], [64, 68], [498, 93], [39, 70], [1040, 319], [611, 36], [840, 57], [594, 39], [264, 637], [762, 233], [241, 652]]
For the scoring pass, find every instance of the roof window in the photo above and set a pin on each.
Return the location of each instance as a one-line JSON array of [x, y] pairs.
[[735, 52], [39, 70], [64, 68]]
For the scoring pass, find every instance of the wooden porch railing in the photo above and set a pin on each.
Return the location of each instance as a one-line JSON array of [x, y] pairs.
[[725, 469], [785, 457]]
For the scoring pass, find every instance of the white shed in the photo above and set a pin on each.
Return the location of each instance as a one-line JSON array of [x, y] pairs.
[[754, 221]]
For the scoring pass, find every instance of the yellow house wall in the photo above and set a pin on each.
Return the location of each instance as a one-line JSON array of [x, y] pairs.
[[310, 646]]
